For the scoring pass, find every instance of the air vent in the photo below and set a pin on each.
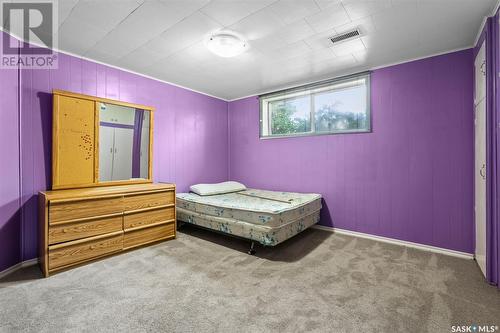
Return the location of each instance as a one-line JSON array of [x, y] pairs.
[[345, 36]]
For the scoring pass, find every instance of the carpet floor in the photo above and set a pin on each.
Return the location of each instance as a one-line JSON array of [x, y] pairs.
[[205, 282]]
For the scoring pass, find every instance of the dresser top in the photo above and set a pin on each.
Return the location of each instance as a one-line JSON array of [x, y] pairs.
[[105, 190]]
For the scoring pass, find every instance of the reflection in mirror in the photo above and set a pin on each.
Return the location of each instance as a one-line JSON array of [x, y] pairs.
[[123, 142]]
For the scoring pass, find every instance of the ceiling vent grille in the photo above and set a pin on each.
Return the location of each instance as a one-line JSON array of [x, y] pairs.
[[345, 36]]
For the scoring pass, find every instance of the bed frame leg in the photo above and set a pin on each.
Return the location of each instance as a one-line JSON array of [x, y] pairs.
[[252, 249]]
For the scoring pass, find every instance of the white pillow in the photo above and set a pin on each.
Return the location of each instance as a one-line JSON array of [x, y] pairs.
[[219, 188]]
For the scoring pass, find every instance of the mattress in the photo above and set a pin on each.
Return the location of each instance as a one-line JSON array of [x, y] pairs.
[[268, 236], [259, 207]]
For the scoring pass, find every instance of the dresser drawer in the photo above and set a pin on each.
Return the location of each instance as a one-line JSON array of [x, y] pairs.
[[67, 210], [141, 236], [148, 200], [63, 232], [85, 249], [151, 216]]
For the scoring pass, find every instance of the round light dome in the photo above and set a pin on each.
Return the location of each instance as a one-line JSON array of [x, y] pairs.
[[226, 44]]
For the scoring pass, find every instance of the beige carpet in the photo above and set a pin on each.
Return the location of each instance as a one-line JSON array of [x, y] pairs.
[[205, 282]]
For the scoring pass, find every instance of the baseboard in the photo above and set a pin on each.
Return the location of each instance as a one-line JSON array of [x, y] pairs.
[[20, 265], [418, 246]]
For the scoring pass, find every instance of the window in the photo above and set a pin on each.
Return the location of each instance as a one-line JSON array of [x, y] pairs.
[[334, 106]]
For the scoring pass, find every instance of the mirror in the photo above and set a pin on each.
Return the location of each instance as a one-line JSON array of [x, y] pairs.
[[124, 142], [100, 142]]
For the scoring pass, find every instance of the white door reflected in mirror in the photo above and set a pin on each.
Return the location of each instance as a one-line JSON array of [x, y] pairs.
[[123, 143]]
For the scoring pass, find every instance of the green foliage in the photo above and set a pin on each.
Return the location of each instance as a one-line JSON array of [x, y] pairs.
[[284, 122], [328, 118]]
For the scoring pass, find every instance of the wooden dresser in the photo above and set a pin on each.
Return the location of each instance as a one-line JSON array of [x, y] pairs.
[[80, 225]]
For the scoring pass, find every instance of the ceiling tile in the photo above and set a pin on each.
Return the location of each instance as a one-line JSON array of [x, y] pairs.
[[441, 37], [379, 57], [365, 25], [299, 64], [105, 57], [161, 46], [361, 56], [103, 14], [191, 57], [288, 51], [259, 24], [153, 18], [185, 33], [271, 42], [305, 72], [284, 77], [289, 34], [344, 62], [228, 12], [357, 9], [291, 11], [400, 16], [327, 3], [348, 47], [316, 56], [443, 15], [63, 9], [321, 40], [184, 7], [140, 58], [391, 40], [296, 31], [240, 64], [329, 18], [399, 2], [77, 37], [116, 42], [450, 24]]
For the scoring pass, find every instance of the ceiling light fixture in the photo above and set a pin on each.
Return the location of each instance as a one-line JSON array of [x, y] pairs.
[[226, 44]]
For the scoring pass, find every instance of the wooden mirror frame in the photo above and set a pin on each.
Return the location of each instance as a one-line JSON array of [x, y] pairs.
[[56, 135]]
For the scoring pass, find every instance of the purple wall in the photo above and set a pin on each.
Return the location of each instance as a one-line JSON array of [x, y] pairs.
[[9, 168], [190, 135], [410, 179]]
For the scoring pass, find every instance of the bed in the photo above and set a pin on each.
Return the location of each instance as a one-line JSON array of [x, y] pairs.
[[266, 217]]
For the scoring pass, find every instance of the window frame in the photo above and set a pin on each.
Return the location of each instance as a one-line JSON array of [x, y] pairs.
[[312, 90]]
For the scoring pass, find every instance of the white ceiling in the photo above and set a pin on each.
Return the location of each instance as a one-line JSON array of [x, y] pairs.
[[288, 38]]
